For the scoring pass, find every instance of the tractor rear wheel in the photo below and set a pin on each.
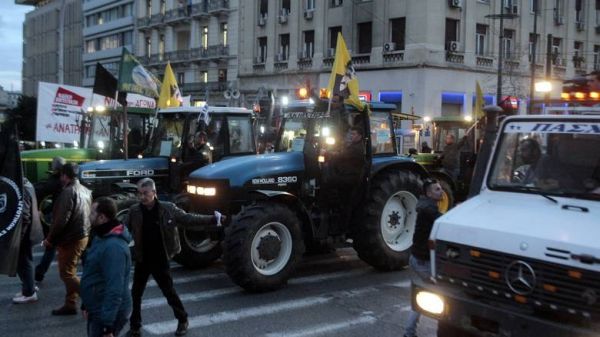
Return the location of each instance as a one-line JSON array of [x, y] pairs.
[[384, 233]]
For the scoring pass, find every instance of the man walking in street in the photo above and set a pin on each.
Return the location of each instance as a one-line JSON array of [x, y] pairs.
[[31, 232], [154, 227], [105, 295], [51, 187], [427, 213], [451, 155], [69, 234]]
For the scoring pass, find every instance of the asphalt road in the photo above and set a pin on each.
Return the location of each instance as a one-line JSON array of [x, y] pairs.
[[329, 295]]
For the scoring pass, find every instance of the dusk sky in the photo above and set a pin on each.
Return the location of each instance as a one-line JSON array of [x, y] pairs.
[[11, 48]]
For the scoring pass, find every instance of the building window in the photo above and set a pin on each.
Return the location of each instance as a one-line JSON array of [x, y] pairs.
[[309, 43], [335, 3], [533, 6], [203, 76], [163, 7], [284, 47], [90, 46], [204, 37], [578, 59], [222, 75], [285, 7], [556, 51], [310, 4], [180, 79], [534, 39], [596, 57], [224, 33], [597, 12], [148, 8], [365, 41], [263, 8], [579, 14], [451, 32], [508, 44], [261, 53], [481, 40], [333, 35], [148, 46], [397, 32], [161, 48]]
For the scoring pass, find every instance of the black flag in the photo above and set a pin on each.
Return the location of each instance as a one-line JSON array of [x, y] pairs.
[[105, 84], [11, 196]]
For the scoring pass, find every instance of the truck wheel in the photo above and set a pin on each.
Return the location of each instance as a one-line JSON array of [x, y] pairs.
[[447, 201], [262, 245], [384, 234], [198, 250], [45, 210]]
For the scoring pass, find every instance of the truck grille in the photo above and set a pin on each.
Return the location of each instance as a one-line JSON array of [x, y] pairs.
[[530, 284]]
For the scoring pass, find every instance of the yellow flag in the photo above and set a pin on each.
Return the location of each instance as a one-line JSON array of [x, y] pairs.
[[170, 96], [479, 102], [343, 80]]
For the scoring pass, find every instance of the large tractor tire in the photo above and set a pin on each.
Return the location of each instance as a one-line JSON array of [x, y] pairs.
[[447, 201], [262, 246], [198, 250], [385, 231]]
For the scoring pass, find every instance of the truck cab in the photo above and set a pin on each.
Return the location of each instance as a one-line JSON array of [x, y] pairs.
[[522, 257]]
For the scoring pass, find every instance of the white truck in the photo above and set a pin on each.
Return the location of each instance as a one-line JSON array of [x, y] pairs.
[[522, 258]]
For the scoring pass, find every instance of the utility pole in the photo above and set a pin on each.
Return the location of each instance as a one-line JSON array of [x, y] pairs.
[[533, 54], [548, 65], [500, 16]]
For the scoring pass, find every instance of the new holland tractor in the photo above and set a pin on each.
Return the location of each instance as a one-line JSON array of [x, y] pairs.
[[180, 143], [282, 202]]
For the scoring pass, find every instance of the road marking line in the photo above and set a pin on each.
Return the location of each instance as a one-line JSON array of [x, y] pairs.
[[401, 284], [267, 309], [329, 276], [326, 328], [160, 328], [186, 279]]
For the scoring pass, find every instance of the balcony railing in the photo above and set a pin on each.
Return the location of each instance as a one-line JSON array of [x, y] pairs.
[[143, 22], [361, 59], [201, 87], [178, 55], [305, 63], [453, 57], [176, 14], [485, 62], [216, 51], [511, 64], [219, 6], [393, 57], [200, 9], [281, 65]]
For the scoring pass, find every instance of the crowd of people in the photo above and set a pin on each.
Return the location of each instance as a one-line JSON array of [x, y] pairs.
[[87, 231]]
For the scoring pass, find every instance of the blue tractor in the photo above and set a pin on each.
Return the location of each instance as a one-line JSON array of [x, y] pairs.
[[183, 139], [279, 204]]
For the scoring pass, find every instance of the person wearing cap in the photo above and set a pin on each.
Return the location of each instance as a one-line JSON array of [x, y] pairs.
[[427, 213], [50, 187]]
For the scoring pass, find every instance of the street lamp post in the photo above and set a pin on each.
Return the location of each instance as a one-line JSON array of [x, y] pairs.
[[533, 54], [500, 16]]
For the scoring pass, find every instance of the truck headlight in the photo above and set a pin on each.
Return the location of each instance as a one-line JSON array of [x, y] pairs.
[[430, 302], [201, 190]]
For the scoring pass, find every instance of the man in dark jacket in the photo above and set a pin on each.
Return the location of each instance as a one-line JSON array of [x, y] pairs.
[[49, 188], [69, 234], [105, 295], [427, 213], [451, 155], [31, 232], [154, 227]]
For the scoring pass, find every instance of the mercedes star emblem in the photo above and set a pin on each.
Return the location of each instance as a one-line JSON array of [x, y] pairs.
[[520, 277]]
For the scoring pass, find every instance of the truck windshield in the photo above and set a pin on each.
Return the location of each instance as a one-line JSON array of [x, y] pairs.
[[556, 157]]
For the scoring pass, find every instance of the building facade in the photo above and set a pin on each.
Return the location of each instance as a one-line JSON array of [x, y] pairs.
[[108, 28], [199, 38], [425, 56], [52, 43]]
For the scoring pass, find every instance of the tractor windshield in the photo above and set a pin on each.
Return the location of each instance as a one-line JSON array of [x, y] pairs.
[[167, 136], [555, 158]]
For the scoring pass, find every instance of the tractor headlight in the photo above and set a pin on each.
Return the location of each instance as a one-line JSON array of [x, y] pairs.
[[330, 141], [201, 190], [430, 302]]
